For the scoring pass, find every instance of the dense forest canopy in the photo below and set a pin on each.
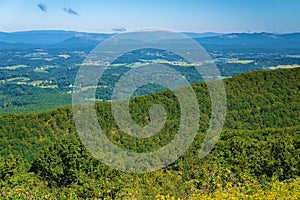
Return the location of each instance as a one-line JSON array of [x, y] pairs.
[[41, 155]]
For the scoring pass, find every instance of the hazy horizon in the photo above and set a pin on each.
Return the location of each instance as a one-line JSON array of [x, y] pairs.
[[111, 32]]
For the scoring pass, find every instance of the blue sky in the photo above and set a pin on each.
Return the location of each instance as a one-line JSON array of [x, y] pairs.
[[184, 15]]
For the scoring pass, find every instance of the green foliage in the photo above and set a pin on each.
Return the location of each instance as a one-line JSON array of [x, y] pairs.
[[42, 156], [66, 161], [20, 99]]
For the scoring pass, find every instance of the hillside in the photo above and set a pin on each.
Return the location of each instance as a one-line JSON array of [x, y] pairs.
[[42, 157]]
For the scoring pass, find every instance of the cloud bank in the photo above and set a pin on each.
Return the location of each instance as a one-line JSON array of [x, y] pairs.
[[70, 11], [42, 7], [119, 29]]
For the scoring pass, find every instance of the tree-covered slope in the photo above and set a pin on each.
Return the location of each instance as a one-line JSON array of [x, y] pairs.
[[42, 156]]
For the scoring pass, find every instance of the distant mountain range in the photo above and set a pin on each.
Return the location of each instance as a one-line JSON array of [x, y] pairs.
[[72, 39], [50, 39], [254, 40]]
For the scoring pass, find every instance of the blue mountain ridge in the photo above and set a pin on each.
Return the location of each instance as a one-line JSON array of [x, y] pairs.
[[73, 39]]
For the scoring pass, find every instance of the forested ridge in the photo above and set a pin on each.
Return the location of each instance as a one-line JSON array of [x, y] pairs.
[[257, 155]]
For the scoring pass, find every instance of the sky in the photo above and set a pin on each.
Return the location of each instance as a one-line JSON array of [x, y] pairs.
[[224, 16]]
